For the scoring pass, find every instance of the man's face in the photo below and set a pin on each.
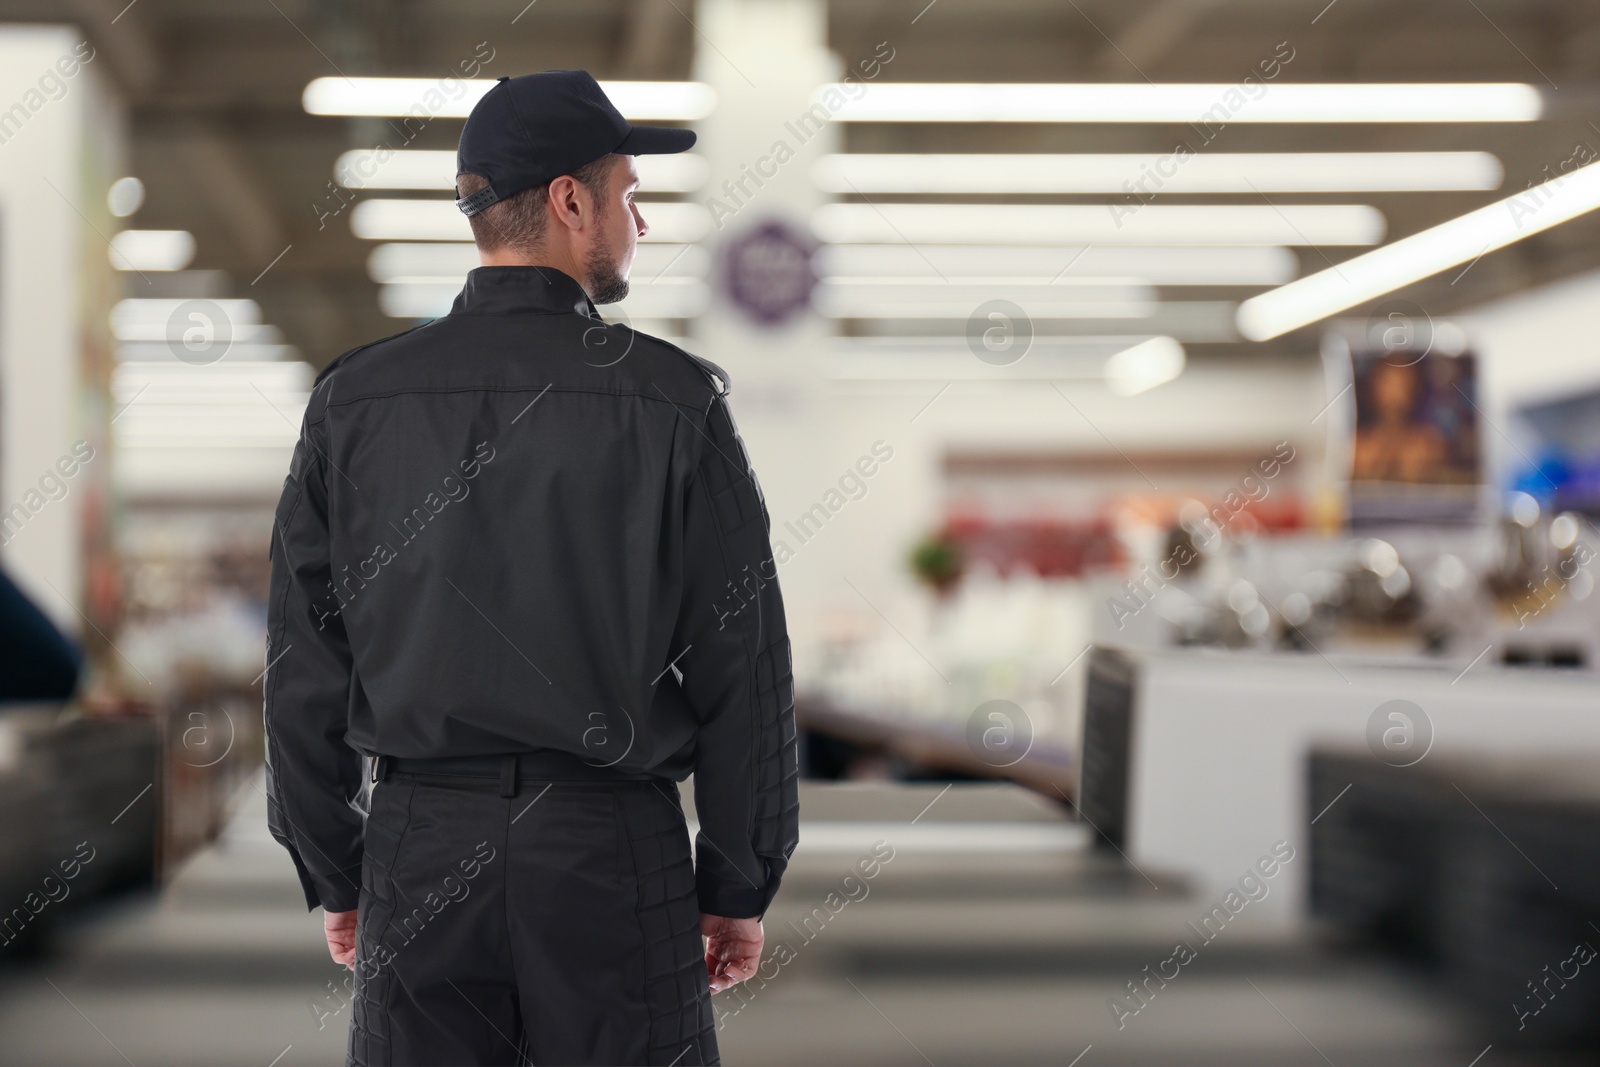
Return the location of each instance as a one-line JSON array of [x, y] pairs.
[[618, 229]]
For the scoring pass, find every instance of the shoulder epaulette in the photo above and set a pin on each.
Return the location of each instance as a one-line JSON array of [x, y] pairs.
[[362, 348], [720, 382]]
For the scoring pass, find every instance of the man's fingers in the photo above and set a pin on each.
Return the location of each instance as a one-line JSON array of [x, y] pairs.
[[733, 949], [339, 927], [730, 963]]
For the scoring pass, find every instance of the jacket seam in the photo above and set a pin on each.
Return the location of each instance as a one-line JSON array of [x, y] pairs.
[[500, 389], [752, 700], [520, 311]]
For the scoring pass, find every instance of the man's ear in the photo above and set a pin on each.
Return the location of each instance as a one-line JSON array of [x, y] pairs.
[[569, 202]]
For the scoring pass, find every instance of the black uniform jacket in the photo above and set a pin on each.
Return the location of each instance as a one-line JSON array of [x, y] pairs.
[[515, 528]]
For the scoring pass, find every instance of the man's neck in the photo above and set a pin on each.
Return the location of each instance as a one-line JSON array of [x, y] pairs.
[[558, 259]]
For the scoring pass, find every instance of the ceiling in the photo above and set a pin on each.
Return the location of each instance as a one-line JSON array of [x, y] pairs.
[[226, 151]]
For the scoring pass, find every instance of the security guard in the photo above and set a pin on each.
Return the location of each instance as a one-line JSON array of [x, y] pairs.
[[519, 565]]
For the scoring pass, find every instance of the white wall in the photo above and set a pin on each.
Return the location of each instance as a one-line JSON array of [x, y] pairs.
[[55, 284], [1533, 346], [803, 455]]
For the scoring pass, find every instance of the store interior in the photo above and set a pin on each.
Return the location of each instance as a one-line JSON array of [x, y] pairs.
[[1179, 423]]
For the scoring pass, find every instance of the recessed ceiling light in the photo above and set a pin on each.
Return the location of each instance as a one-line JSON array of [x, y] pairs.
[[125, 196], [152, 250]]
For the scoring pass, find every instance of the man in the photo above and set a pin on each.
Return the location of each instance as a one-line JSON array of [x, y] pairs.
[[516, 564]]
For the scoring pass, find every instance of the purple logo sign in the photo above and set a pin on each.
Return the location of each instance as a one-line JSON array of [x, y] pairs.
[[767, 272]]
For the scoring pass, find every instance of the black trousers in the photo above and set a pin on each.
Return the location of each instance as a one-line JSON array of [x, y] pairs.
[[556, 926]]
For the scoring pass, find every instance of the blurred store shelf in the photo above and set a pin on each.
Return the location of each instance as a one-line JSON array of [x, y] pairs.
[[993, 956]]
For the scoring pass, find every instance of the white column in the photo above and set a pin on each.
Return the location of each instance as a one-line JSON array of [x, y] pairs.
[[765, 59], [60, 145]]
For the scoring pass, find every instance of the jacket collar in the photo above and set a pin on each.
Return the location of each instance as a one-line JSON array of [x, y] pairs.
[[506, 290]]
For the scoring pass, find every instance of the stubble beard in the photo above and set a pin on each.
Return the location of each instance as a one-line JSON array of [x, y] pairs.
[[606, 280]]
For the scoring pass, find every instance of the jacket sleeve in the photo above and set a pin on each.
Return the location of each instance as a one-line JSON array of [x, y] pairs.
[[737, 675], [312, 774]]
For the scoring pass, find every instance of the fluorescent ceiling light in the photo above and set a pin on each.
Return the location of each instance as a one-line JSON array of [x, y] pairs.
[[230, 404], [441, 220], [669, 298], [453, 99], [449, 261], [915, 299], [365, 168], [444, 261], [247, 351], [184, 379], [1187, 320], [1247, 265], [1072, 358], [1210, 106], [1144, 366], [152, 250], [1249, 173], [1054, 224], [1410, 259], [153, 319], [163, 332]]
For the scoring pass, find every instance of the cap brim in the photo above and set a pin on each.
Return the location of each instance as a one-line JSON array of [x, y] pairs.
[[655, 141]]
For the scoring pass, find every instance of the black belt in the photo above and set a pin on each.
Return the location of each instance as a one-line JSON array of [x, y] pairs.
[[543, 765]]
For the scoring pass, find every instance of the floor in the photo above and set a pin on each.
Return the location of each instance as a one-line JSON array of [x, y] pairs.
[[985, 934]]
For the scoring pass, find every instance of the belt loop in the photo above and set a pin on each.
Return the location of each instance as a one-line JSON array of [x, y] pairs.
[[508, 776]]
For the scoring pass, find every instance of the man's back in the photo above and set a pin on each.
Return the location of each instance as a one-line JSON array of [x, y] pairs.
[[518, 528], [503, 509]]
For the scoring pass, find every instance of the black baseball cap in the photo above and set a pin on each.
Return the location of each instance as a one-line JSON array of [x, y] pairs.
[[527, 131]]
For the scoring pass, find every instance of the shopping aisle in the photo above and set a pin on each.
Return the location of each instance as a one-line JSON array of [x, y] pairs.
[[919, 925], [995, 937], [225, 968]]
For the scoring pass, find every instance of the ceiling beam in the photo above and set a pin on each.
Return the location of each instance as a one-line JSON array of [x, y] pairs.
[[123, 33], [649, 39], [1152, 34], [230, 184]]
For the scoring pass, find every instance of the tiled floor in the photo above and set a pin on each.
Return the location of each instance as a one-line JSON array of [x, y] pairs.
[[990, 937]]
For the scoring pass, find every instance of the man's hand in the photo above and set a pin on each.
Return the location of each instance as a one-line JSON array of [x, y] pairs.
[[340, 926], [733, 949]]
